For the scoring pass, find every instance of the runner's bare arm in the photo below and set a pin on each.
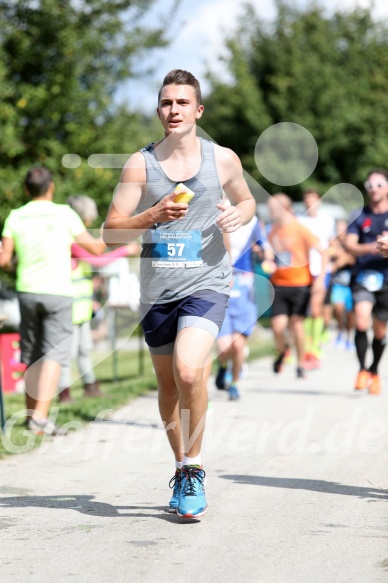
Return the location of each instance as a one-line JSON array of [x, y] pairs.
[[90, 243], [7, 249], [357, 249], [339, 257], [243, 205], [122, 225], [319, 282]]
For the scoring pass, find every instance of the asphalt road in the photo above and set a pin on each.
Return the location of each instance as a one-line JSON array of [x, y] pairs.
[[297, 485]]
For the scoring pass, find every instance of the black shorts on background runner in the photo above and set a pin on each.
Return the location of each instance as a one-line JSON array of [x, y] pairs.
[[290, 301]]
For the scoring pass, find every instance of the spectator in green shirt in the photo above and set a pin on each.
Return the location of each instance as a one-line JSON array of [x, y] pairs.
[[41, 233]]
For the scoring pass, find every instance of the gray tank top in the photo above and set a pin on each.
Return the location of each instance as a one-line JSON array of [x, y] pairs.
[[182, 257]]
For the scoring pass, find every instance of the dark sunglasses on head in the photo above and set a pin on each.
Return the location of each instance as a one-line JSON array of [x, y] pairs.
[[369, 185]]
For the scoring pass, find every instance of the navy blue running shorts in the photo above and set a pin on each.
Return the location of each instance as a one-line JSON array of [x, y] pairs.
[[162, 322]]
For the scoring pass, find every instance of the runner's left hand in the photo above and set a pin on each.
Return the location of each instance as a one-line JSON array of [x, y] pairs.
[[230, 218]]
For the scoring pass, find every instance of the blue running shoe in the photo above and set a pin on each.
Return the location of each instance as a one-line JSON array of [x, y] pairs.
[[192, 499], [339, 341], [175, 483], [220, 378], [234, 393], [228, 377]]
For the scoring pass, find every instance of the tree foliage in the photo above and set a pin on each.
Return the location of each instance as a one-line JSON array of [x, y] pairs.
[[60, 64], [327, 73]]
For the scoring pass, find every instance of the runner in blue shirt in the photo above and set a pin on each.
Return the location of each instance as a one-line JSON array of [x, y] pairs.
[[241, 314]]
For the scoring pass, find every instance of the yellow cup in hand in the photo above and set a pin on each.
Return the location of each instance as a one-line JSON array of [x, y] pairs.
[[183, 194]]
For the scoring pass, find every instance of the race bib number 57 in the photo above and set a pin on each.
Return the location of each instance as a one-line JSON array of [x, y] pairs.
[[176, 249]]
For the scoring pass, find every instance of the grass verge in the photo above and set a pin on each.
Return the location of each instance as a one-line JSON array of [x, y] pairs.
[[129, 384]]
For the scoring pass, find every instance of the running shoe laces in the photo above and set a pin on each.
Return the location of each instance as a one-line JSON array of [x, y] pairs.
[[194, 479], [192, 499], [175, 484]]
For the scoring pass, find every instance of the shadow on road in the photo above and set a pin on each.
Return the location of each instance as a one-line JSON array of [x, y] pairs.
[[86, 505], [314, 485]]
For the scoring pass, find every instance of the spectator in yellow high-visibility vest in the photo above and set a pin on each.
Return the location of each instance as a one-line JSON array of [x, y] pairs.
[[82, 274]]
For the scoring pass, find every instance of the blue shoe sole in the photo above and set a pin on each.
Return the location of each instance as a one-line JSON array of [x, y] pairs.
[[193, 516]]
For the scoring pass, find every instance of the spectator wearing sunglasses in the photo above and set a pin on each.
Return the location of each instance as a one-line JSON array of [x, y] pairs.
[[370, 278]]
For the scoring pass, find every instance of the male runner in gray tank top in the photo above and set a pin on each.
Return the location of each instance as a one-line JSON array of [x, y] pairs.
[[185, 271]]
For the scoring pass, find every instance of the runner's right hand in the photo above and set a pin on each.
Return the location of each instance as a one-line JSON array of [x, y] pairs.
[[167, 210], [382, 246]]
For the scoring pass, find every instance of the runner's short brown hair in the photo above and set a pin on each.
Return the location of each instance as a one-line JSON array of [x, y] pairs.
[[381, 171], [181, 77]]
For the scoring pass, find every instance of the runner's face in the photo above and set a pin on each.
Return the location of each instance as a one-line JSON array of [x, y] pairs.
[[376, 186], [275, 210], [178, 110], [310, 200]]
